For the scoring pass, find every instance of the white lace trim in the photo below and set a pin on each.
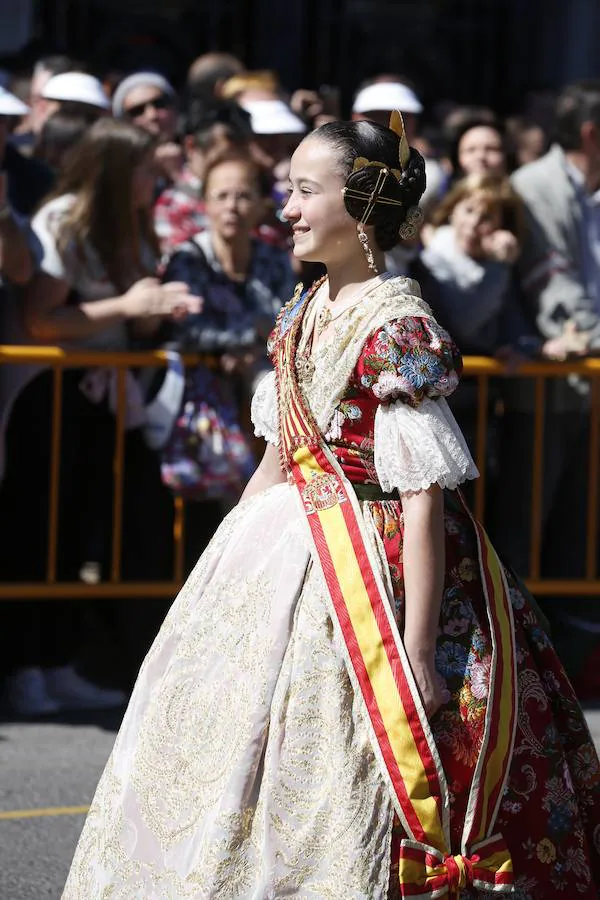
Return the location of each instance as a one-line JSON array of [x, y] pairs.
[[415, 448], [263, 410]]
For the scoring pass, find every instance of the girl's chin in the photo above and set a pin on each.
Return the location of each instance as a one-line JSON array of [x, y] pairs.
[[302, 250]]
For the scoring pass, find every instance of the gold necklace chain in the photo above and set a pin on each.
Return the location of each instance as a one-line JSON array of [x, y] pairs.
[[326, 316]]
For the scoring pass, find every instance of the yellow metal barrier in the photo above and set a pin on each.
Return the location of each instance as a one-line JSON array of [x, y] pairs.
[[479, 368]]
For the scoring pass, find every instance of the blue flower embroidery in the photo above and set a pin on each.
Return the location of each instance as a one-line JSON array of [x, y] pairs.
[[451, 659], [540, 638], [351, 411], [421, 368], [560, 819]]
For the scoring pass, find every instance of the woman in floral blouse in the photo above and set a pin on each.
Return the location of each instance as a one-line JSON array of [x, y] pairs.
[[351, 697]]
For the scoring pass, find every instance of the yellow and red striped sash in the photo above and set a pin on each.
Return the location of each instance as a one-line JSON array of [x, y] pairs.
[[378, 666]]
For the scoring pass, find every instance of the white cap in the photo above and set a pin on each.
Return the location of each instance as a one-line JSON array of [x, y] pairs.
[[273, 117], [387, 95], [139, 79], [11, 105], [76, 87]]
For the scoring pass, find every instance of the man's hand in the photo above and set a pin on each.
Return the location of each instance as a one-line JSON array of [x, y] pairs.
[[570, 343]]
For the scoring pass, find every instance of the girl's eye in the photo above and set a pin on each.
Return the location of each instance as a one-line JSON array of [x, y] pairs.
[[305, 191]]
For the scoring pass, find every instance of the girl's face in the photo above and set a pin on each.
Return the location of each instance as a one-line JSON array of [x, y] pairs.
[[232, 199], [322, 229], [480, 152], [473, 219], [144, 182]]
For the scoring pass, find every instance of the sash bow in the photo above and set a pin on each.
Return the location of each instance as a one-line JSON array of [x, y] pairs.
[[425, 872]]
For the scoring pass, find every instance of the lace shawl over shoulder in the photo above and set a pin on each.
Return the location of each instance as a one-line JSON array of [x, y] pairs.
[[409, 364], [325, 383]]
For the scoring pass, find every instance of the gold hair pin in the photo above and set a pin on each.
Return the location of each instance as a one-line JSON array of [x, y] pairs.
[[396, 125]]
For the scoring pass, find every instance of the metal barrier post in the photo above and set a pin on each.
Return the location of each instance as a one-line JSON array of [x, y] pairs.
[[592, 511], [537, 497], [179, 538], [54, 493], [481, 444], [119, 476]]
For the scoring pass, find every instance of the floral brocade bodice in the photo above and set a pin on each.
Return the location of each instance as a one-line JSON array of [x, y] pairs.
[[407, 361], [376, 390]]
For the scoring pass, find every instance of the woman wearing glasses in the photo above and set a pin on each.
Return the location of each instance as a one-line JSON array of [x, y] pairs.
[[244, 282]]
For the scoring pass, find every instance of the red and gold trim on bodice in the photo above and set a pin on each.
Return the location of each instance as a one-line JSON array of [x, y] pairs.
[[379, 668]]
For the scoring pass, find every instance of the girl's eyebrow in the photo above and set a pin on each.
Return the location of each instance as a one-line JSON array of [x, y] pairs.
[[304, 180]]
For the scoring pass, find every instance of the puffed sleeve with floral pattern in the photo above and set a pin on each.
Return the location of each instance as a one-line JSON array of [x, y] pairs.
[[411, 365]]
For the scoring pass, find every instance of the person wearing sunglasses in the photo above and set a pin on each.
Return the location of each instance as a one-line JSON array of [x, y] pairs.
[[149, 101]]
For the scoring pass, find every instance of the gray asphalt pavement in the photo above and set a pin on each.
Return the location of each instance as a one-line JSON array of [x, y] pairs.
[[50, 769]]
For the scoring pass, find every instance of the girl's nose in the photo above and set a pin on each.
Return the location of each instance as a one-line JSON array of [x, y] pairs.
[[290, 211]]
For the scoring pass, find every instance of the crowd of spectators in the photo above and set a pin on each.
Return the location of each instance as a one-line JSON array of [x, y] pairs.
[[136, 216]]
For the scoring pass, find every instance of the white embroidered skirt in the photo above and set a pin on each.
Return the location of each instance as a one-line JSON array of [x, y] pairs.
[[243, 767]]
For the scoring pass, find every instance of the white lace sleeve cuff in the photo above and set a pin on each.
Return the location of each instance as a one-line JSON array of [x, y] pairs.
[[263, 410], [418, 447]]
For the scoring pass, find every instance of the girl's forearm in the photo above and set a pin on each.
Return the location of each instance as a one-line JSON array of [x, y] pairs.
[[424, 567]]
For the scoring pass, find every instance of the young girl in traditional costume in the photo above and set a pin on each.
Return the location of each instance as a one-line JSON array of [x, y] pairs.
[[350, 698]]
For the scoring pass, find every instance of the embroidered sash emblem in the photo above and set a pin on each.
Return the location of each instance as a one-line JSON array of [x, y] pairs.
[[321, 493]]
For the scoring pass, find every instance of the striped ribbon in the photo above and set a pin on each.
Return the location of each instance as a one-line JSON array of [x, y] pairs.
[[379, 668], [425, 873]]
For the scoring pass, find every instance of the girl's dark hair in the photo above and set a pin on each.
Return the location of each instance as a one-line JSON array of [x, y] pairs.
[[378, 144]]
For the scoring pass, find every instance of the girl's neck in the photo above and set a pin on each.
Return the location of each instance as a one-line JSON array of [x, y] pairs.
[[234, 255], [344, 277]]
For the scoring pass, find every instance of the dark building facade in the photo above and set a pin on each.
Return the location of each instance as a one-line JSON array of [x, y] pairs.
[[477, 51]]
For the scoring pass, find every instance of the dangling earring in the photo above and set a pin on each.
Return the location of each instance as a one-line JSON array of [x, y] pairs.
[[364, 242]]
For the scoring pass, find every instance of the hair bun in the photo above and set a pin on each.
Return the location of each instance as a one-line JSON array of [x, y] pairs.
[[402, 196], [365, 151]]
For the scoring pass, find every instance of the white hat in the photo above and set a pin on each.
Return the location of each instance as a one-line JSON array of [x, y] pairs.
[[76, 87], [11, 105], [273, 117], [387, 95]]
